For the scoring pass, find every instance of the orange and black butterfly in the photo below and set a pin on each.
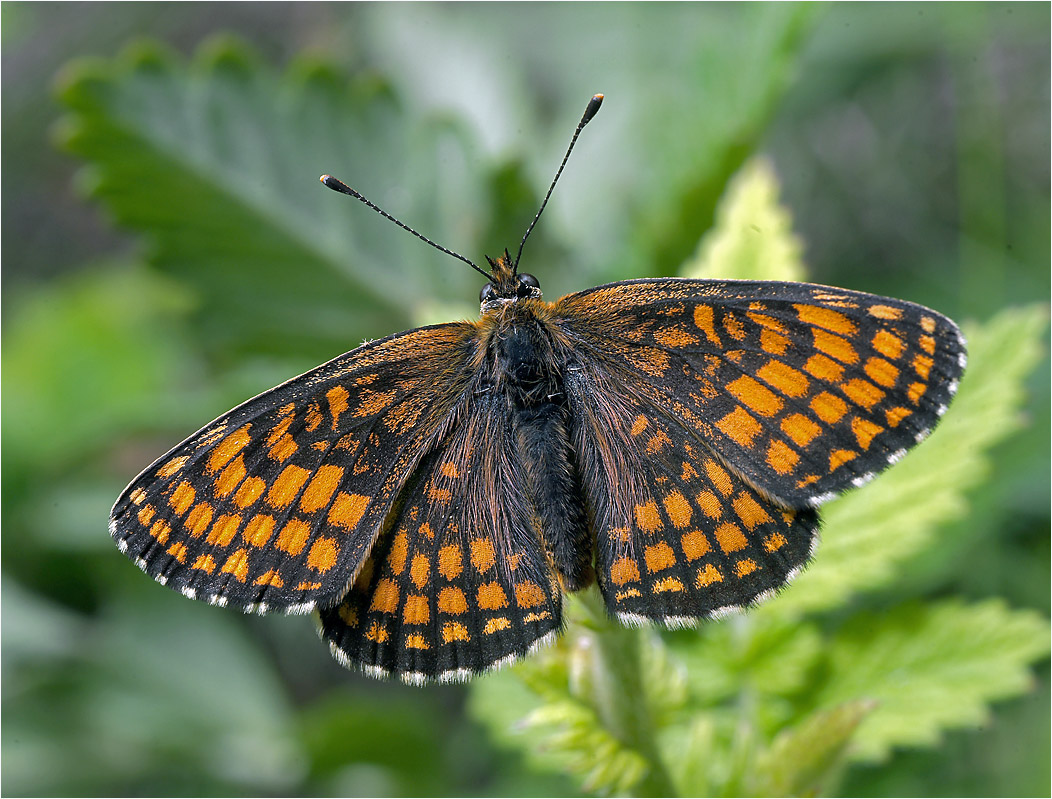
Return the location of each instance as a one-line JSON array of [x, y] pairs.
[[433, 494]]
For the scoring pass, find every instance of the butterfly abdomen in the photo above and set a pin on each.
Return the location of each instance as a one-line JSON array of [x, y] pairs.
[[530, 376], [554, 486]]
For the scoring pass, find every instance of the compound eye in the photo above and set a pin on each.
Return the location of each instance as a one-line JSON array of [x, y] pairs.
[[526, 284], [488, 292]]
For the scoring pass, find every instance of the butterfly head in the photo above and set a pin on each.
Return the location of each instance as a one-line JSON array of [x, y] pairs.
[[507, 284]]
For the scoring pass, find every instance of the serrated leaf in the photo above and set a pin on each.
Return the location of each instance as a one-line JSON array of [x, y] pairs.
[[868, 532], [574, 737], [217, 162], [560, 734], [930, 668], [753, 237]]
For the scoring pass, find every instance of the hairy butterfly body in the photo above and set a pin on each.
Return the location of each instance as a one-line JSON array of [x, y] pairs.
[[432, 494]]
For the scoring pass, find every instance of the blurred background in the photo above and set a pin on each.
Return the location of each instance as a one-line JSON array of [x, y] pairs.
[[167, 252]]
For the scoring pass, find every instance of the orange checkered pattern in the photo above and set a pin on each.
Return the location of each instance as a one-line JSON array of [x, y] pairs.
[[432, 495]]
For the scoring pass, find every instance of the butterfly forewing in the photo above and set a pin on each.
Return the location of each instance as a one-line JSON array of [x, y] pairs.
[[803, 390], [277, 503], [459, 580]]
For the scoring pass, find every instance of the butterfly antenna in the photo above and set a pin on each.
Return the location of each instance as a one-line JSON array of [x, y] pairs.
[[343, 188], [589, 112]]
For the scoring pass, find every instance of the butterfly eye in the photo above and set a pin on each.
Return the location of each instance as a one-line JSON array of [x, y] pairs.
[[488, 292], [526, 284]]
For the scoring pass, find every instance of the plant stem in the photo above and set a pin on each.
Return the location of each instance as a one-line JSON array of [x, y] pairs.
[[620, 692]]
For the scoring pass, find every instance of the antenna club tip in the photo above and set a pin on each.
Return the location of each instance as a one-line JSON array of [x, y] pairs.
[[592, 109], [336, 185]]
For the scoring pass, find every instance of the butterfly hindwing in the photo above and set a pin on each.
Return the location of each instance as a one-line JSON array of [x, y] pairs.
[[458, 581], [806, 390], [679, 536], [275, 504]]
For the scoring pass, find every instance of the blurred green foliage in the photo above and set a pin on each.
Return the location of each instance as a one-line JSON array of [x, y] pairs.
[[911, 143]]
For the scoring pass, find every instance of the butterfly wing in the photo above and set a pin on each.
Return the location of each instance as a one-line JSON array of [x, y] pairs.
[[678, 535], [458, 581], [711, 416], [276, 504], [805, 390]]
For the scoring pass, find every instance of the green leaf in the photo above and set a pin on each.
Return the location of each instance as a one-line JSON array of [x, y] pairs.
[[753, 237], [606, 693], [764, 655], [217, 162], [79, 356], [186, 706], [562, 733], [868, 533], [743, 62], [658, 157], [699, 758], [806, 759], [930, 668]]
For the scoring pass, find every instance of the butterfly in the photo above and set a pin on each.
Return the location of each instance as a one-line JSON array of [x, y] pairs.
[[434, 494]]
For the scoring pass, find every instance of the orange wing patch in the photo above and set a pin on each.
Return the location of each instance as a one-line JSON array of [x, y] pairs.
[[448, 585], [691, 542], [277, 503], [805, 390]]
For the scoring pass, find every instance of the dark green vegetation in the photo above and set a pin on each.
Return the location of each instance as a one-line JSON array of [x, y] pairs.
[[176, 254]]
